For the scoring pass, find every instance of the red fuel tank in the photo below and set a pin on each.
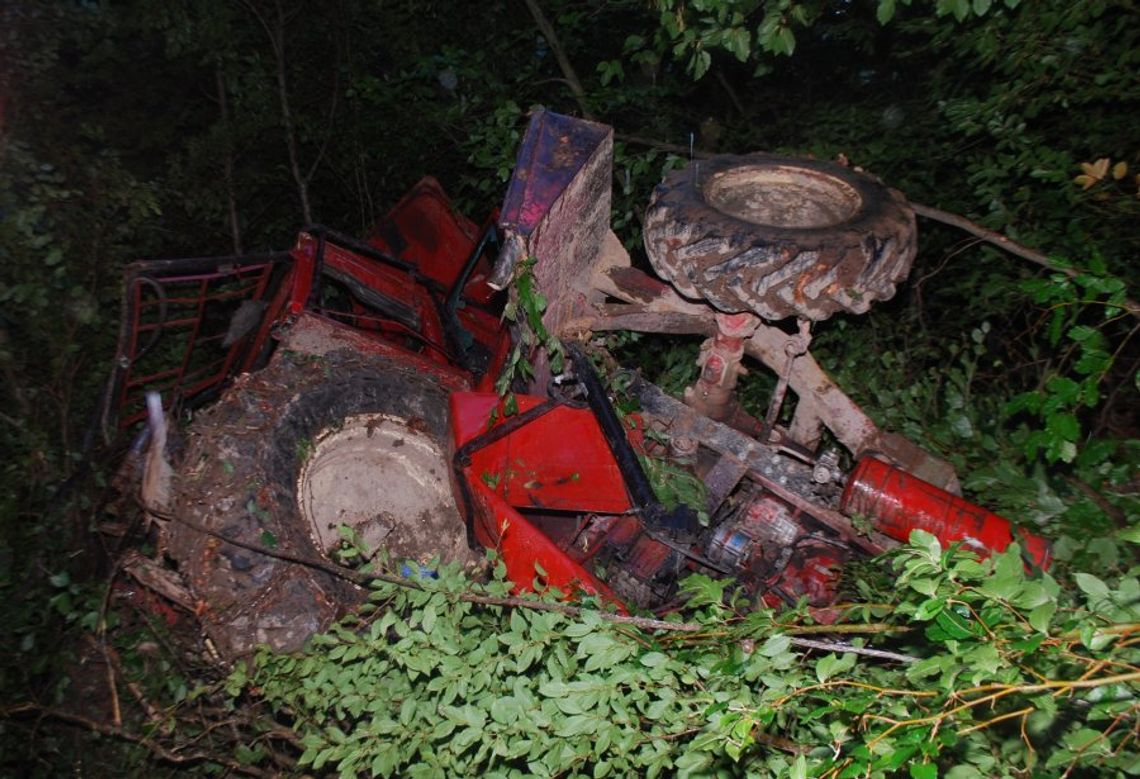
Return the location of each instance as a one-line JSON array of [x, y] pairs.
[[898, 502]]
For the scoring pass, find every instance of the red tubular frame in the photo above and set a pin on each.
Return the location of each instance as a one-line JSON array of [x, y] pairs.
[[899, 503]]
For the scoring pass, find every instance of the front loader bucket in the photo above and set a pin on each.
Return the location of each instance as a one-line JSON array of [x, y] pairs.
[[557, 208]]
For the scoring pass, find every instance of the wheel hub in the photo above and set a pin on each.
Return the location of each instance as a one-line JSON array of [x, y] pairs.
[[383, 479], [782, 196]]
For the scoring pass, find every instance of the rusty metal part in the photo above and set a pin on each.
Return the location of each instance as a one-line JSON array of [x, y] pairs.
[[653, 307], [557, 208], [719, 361], [558, 205], [722, 479], [826, 468], [796, 345], [779, 236], [683, 449], [785, 477]]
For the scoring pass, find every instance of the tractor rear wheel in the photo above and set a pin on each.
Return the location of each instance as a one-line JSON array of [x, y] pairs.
[[779, 236], [288, 455]]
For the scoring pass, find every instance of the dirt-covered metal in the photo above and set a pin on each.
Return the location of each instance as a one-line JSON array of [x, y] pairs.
[[371, 474]]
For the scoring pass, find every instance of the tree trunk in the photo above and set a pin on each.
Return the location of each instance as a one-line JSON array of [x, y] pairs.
[[276, 34], [228, 161]]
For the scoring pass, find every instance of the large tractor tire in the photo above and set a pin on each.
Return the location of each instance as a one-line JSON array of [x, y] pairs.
[[779, 236], [285, 457]]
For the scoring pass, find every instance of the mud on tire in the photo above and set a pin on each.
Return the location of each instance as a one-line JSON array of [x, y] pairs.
[[241, 474], [779, 236]]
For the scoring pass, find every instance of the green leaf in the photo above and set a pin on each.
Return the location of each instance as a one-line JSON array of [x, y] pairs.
[[923, 771], [1064, 426], [576, 725], [506, 710], [657, 710], [1095, 589], [554, 689], [692, 762], [1084, 739], [776, 645], [465, 738], [955, 625], [929, 609], [700, 63], [959, 8], [831, 665], [886, 11], [787, 41]]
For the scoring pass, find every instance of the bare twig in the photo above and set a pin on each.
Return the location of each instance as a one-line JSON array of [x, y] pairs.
[[112, 686], [276, 34], [1117, 515], [113, 731], [111, 657], [671, 148], [727, 87], [564, 64], [16, 423], [842, 646], [228, 158], [334, 91]]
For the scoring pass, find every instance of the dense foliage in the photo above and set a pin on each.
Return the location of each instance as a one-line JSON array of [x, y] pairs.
[[160, 128], [1011, 675]]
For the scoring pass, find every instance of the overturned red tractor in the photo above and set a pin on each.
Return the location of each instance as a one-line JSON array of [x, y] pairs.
[[356, 394]]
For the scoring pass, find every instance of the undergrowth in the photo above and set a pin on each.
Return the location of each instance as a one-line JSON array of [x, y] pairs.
[[964, 668]]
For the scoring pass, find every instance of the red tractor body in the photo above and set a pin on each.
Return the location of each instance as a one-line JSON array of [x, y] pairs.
[[418, 285], [409, 329]]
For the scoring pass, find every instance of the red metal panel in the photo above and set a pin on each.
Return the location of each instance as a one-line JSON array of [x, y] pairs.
[[425, 230], [560, 461], [523, 547]]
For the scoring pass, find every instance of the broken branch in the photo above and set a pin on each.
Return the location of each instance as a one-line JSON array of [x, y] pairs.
[[1006, 244], [564, 64], [643, 623]]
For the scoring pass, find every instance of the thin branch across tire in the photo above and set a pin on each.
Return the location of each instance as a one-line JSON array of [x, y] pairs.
[[281, 460], [779, 236]]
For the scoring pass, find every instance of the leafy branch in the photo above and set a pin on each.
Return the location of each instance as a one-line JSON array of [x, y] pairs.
[[524, 310], [425, 682]]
